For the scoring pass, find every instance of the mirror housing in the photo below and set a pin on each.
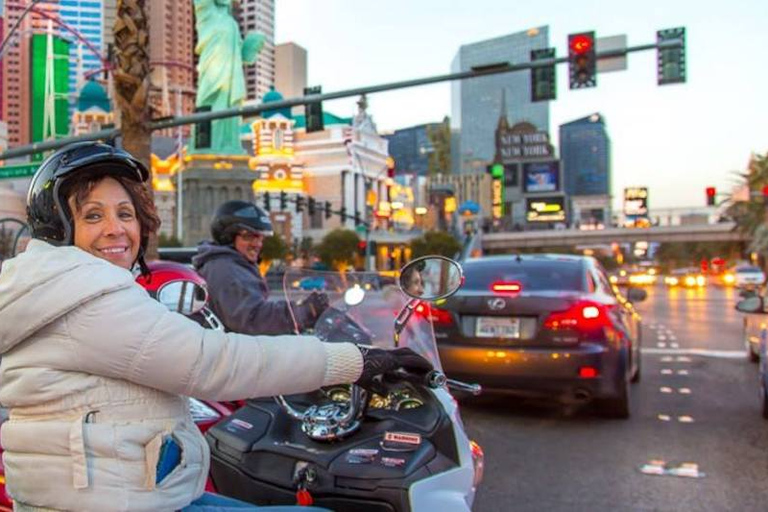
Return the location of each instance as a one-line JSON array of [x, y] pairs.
[[752, 304], [636, 295], [182, 296], [431, 278]]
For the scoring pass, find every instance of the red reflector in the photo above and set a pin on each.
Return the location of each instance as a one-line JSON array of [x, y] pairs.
[[506, 287], [588, 372], [441, 316]]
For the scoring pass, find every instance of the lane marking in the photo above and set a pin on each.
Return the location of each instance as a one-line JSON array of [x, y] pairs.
[[674, 345], [685, 419], [721, 354], [666, 371], [666, 359], [662, 337], [661, 344], [683, 359], [664, 417], [683, 372], [684, 391], [665, 390]]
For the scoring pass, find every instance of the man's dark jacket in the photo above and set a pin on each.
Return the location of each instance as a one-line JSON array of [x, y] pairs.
[[239, 294]]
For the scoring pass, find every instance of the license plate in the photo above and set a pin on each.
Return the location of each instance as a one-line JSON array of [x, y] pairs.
[[497, 327]]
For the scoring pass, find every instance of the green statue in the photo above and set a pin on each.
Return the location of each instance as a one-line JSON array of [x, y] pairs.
[[221, 82]]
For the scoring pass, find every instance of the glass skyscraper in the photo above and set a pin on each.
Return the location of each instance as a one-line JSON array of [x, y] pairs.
[[585, 155], [87, 18], [476, 103]]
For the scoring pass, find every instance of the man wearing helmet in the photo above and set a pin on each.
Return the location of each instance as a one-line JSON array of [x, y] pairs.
[[239, 293]]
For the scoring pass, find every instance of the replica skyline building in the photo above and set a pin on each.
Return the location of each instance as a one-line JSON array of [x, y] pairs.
[[475, 104], [259, 15]]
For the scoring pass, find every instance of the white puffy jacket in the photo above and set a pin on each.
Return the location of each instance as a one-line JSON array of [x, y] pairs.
[[95, 374]]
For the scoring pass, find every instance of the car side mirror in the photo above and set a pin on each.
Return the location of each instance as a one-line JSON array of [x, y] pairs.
[[636, 295], [751, 305]]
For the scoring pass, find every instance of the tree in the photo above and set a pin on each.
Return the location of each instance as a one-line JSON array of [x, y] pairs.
[[274, 248], [338, 248], [131, 77], [435, 242], [751, 214], [440, 137]]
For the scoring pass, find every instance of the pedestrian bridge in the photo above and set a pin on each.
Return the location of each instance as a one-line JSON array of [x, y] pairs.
[[508, 241]]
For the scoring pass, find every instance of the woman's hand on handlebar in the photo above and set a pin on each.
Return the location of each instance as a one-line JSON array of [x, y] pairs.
[[379, 363]]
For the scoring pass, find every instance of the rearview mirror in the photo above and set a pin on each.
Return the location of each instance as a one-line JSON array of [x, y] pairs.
[[636, 295], [751, 305], [183, 297], [431, 278]]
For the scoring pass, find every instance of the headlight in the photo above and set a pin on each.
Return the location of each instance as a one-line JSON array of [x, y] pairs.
[[690, 281], [729, 278], [701, 280], [614, 279]]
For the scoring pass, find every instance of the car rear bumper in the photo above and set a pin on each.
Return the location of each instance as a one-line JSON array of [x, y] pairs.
[[547, 372]]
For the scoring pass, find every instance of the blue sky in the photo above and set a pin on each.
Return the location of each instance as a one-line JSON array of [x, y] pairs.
[[675, 139]]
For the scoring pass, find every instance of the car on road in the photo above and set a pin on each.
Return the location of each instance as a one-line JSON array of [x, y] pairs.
[[689, 277], [748, 277], [756, 338], [543, 325]]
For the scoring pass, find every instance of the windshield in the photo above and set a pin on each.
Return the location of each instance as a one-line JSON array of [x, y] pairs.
[[369, 322]]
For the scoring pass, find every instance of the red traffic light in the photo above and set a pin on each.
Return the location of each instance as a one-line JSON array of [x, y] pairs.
[[765, 191], [581, 44], [711, 191]]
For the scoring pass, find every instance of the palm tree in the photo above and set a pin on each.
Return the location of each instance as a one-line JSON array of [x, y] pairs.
[[749, 215], [131, 77]]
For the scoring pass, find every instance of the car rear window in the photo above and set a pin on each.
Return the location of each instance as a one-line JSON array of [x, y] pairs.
[[533, 275], [748, 270]]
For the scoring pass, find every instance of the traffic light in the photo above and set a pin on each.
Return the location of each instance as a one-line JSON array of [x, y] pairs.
[[765, 194], [495, 170], [311, 206], [343, 213], [267, 205], [582, 62], [543, 79], [299, 204], [711, 193], [283, 200], [390, 167], [361, 245], [357, 218], [328, 211], [314, 111], [671, 61]]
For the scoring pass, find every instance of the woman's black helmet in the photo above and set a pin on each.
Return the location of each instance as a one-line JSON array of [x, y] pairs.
[[235, 216], [48, 213]]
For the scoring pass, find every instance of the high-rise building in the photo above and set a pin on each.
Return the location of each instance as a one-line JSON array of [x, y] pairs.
[[259, 16], [108, 14], [2, 63], [585, 156], [410, 148], [48, 81], [171, 35], [475, 104], [88, 51], [290, 69]]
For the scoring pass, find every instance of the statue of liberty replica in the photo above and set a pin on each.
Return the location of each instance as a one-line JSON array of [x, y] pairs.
[[221, 82]]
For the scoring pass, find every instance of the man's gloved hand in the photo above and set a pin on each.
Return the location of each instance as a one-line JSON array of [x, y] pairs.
[[316, 303], [379, 363]]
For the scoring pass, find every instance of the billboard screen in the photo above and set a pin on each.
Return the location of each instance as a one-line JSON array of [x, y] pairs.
[[541, 177], [545, 209], [636, 201]]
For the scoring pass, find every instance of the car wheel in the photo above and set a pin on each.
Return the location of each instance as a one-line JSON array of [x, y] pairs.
[[764, 397], [636, 375], [616, 407]]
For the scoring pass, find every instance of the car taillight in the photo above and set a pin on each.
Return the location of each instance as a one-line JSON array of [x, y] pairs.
[[580, 316], [506, 287], [441, 317]]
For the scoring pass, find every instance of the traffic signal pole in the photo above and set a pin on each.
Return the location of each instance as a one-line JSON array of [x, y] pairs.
[[253, 110]]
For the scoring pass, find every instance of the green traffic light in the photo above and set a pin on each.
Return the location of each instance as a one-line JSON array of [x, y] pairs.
[[497, 171]]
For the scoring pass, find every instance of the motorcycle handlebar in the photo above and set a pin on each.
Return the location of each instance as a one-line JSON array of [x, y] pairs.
[[436, 379]]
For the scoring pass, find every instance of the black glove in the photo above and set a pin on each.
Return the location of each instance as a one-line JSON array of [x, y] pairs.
[[379, 363], [313, 306]]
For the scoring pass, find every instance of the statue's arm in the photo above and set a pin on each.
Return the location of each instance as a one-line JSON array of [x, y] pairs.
[[252, 45]]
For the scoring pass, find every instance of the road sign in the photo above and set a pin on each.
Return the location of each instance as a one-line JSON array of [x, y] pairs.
[[610, 44], [18, 171]]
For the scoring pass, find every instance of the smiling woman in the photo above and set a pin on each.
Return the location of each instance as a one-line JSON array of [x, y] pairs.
[[112, 216]]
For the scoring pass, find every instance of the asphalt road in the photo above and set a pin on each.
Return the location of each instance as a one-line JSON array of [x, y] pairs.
[[697, 403]]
